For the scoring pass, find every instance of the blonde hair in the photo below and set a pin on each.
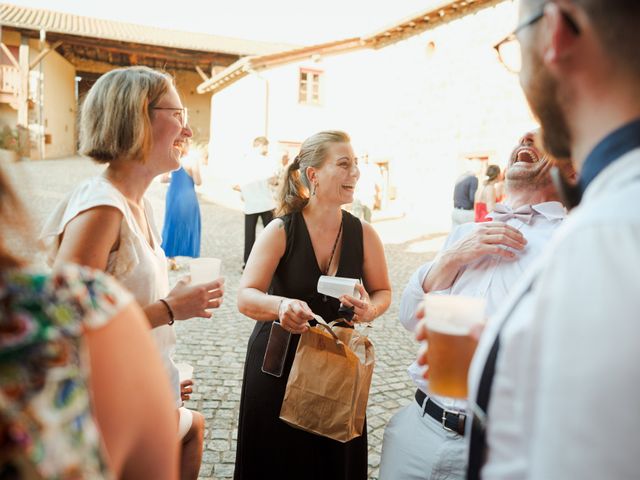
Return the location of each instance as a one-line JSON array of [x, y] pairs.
[[294, 193], [115, 120]]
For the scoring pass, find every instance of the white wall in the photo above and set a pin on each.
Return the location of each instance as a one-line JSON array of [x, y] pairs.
[[452, 102], [422, 110]]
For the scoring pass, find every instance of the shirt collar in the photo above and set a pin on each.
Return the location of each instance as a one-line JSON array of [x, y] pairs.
[[550, 210], [612, 147]]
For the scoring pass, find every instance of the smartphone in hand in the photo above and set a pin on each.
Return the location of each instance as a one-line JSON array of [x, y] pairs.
[[276, 353]]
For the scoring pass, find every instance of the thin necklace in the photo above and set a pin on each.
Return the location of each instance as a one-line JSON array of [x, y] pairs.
[[333, 250]]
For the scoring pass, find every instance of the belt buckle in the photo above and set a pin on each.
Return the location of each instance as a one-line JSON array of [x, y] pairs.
[[444, 419]]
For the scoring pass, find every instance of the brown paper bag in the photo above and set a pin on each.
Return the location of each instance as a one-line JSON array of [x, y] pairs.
[[328, 387]]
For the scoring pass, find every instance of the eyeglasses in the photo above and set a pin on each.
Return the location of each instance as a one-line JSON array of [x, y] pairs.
[[182, 114], [509, 50]]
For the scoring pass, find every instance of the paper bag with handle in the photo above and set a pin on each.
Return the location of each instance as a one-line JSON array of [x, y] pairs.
[[328, 387]]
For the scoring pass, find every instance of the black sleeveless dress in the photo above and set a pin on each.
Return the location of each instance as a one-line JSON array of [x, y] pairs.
[[267, 446]]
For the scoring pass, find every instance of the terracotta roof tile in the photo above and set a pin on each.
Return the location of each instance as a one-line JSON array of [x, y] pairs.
[[67, 23]]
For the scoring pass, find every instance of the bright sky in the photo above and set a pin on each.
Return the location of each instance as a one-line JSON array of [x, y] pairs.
[[289, 21]]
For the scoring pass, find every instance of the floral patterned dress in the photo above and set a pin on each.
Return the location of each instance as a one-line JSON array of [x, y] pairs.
[[47, 428]]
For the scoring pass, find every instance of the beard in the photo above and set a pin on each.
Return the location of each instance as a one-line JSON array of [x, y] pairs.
[[542, 92], [529, 177]]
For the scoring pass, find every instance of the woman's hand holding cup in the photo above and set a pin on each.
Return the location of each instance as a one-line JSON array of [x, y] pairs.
[[363, 309], [189, 301]]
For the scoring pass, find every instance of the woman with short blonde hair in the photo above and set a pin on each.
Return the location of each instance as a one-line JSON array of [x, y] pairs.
[[133, 120], [116, 115]]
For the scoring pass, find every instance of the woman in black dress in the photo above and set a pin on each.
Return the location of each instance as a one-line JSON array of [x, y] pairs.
[[313, 237]]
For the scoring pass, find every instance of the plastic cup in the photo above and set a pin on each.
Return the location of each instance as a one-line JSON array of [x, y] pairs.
[[337, 286], [185, 371], [204, 270], [450, 321]]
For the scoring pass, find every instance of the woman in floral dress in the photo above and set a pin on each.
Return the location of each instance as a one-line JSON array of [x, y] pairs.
[[62, 384]]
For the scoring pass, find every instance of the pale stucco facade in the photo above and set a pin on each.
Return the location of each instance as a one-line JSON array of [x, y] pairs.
[[422, 104], [53, 106]]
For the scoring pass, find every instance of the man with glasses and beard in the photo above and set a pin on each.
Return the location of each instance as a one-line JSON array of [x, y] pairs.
[[555, 380]]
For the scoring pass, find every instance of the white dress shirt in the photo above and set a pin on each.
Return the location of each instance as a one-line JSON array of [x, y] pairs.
[[256, 191], [564, 399], [491, 277]]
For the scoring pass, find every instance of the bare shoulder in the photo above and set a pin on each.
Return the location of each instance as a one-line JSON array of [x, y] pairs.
[[279, 221], [273, 238], [371, 243], [100, 221], [369, 233], [269, 248], [375, 274], [89, 237], [104, 215], [275, 227]]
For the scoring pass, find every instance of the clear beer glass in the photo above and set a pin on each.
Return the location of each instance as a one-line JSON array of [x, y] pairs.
[[450, 320]]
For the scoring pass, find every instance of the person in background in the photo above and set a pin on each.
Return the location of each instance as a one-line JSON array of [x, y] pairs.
[[182, 226], [487, 195], [425, 439], [464, 194], [313, 237], [258, 177], [133, 120], [280, 173], [73, 345], [367, 190]]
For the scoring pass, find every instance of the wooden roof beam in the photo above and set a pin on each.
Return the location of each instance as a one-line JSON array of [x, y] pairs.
[[202, 74], [44, 53], [8, 53], [150, 51], [122, 59]]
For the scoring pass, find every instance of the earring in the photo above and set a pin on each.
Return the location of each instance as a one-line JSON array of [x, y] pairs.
[[315, 187]]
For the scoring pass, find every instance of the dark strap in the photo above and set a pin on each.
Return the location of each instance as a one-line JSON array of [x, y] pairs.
[[452, 420], [477, 446], [478, 440], [335, 244]]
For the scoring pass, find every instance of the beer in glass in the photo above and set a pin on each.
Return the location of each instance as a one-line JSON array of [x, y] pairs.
[[450, 319]]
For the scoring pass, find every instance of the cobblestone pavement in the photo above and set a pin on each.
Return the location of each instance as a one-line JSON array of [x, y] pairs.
[[216, 347]]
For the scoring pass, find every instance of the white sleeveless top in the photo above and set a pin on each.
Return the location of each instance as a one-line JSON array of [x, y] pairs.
[[136, 265]]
